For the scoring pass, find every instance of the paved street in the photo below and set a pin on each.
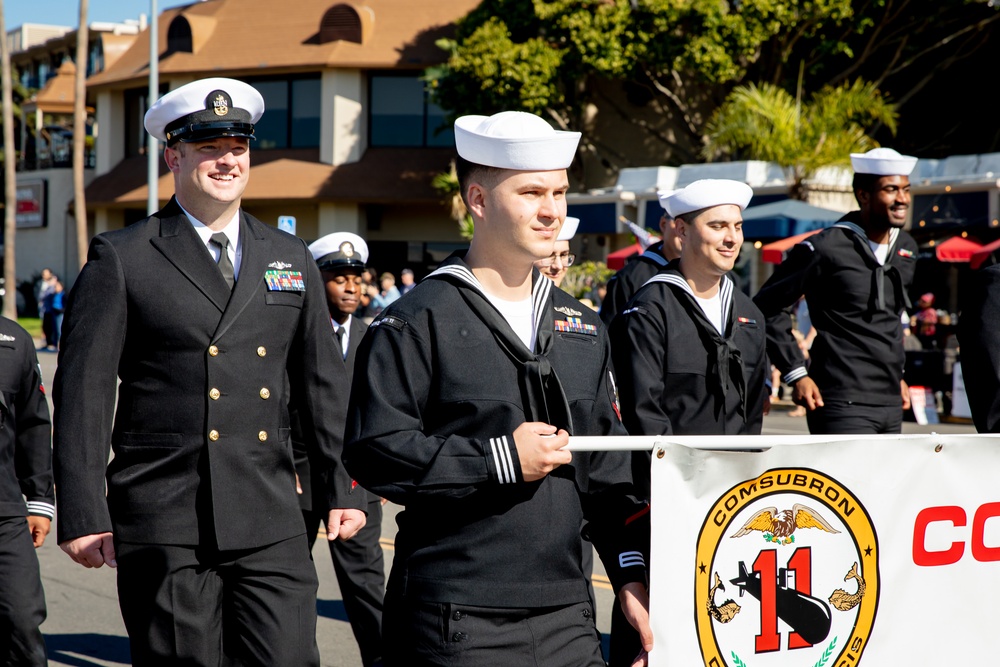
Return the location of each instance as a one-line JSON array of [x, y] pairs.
[[84, 627]]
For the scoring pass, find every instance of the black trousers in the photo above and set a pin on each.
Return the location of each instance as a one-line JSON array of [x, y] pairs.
[[433, 634], [842, 417], [360, 570], [193, 606], [22, 600]]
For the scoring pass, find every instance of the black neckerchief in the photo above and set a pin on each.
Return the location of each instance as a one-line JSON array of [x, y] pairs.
[[542, 393], [728, 359], [880, 272]]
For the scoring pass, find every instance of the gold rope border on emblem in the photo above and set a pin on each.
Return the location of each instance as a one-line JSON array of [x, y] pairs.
[[859, 524]]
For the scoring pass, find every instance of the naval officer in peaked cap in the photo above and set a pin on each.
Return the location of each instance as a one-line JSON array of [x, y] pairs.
[[358, 562], [468, 434], [214, 323]]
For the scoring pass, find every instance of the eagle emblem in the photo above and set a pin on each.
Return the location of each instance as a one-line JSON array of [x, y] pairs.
[[778, 527], [347, 248]]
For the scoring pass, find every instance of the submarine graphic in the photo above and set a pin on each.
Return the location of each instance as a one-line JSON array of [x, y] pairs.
[[808, 616]]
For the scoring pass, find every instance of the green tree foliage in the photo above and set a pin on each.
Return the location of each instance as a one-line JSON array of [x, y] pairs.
[[766, 123], [660, 68]]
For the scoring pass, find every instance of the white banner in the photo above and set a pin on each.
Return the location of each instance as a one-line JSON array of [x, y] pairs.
[[825, 552]]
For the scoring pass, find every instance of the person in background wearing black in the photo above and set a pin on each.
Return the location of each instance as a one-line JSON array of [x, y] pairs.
[[689, 348], [635, 273], [27, 499], [856, 277], [358, 562]]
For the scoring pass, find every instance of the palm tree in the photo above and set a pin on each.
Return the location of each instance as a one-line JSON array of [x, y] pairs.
[[80, 137], [10, 176], [446, 183], [766, 123]]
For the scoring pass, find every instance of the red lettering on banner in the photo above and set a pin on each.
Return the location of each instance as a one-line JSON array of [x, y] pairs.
[[980, 551], [927, 516]]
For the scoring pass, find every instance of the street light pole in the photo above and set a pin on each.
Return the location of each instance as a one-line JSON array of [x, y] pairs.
[[152, 144]]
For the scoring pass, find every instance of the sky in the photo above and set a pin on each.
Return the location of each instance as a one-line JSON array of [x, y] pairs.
[[66, 12]]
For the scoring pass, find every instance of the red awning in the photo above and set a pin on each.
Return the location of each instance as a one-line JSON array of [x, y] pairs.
[[617, 259], [981, 255], [956, 249], [775, 252]]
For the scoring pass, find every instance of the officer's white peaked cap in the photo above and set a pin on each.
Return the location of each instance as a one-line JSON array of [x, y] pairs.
[[883, 162], [339, 250], [707, 193], [205, 109], [568, 229], [514, 140]]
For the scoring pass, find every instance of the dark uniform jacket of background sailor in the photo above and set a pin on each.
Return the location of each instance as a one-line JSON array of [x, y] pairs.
[[25, 431], [858, 352], [667, 365], [980, 345], [627, 281], [300, 444], [202, 453], [433, 409]]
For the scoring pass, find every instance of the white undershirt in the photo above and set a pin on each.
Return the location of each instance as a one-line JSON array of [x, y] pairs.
[[712, 307], [881, 251], [519, 316], [346, 326]]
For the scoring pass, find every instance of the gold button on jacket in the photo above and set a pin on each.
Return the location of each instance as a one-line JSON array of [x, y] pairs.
[[213, 435]]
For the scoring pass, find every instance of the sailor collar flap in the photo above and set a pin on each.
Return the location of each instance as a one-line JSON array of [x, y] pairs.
[[728, 364], [545, 399], [880, 271]]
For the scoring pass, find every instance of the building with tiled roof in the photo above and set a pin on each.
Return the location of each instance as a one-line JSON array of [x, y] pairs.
[[348, 140]]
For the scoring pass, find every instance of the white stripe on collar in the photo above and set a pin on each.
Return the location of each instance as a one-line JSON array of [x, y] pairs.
[[854, 227], [725, 290], [539, 290]]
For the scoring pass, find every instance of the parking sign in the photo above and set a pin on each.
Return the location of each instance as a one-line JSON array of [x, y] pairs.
[[286, 223]]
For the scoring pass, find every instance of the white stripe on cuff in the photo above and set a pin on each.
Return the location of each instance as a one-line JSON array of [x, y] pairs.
[[795, 374], [502, 459], [631, 559], [38, 507]]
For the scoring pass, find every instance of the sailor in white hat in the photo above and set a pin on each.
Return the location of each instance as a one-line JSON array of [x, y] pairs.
[[689, 347], [554, 266], [856, 278], [217, 316], [500, 367], [637, 271]]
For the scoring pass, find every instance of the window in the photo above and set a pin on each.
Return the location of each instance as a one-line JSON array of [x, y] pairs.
[[95, 61], [135, 133], [401, 114], [291, 113], [179, 36], [340, 23]]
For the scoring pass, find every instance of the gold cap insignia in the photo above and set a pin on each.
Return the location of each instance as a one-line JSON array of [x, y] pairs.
[[347, 248], [220, 105]]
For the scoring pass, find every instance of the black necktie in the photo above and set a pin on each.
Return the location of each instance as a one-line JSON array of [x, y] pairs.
[[225, 264], [340, 340]]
